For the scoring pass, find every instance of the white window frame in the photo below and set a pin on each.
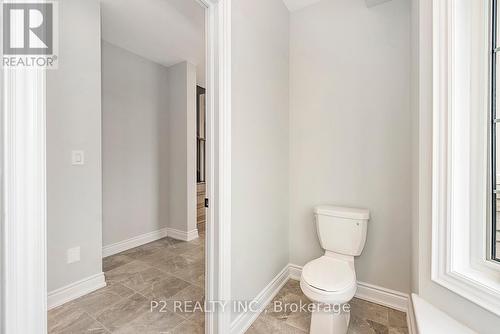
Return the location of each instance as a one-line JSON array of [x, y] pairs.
[[461, 206], [23, 265]]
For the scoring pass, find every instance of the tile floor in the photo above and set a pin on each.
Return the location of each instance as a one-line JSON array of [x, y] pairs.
[[162, 271], [167, 270], [366, 317]]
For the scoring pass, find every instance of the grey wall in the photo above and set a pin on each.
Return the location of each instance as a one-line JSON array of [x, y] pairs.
[[135, 145], [415, 92], [468, 313], [182, 145], [74, 123], [149, 146], [350, 129], [260, 244]]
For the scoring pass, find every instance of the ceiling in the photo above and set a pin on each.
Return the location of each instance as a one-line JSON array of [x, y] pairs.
[[164, 31]]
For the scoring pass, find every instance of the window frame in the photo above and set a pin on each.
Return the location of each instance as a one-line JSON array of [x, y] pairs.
[[494, 122], [462, 212]]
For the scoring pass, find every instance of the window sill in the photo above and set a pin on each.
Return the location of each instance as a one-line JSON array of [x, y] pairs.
[[481, 288], [432, 320]]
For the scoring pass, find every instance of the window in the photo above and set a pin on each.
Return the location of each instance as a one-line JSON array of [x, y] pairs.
[[466, 156]]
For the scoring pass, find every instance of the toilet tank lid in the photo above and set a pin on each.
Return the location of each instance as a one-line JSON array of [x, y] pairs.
[[342, 212]]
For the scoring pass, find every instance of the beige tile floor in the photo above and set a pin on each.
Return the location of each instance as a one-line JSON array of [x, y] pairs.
[[366, 318], [161, 271], [169, 270]]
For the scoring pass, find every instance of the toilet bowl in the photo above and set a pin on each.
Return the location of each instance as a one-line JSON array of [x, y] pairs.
[[330, 281]]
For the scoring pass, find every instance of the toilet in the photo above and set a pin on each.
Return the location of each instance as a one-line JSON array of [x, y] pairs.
[[330, 281]]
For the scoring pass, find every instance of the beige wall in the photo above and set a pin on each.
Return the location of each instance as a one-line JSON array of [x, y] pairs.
[[135, 145], [74, 213], [350, 138], [259, 144]]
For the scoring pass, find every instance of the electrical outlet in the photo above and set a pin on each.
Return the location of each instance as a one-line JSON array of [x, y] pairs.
[[73, 255]]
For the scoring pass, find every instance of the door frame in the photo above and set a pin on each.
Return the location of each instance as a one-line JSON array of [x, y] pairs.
[[23, 293]]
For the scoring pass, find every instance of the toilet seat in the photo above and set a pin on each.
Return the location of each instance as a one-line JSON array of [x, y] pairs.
[[329, 274], [329, 280]]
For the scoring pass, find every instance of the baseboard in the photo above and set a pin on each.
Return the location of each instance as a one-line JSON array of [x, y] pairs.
[[295, 271], [369, 292], [75, 290], [182, 235], [133, 242], [382, 296], [244, 320]]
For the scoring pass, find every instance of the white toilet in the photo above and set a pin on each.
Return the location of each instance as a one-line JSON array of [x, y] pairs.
[[330, 280]]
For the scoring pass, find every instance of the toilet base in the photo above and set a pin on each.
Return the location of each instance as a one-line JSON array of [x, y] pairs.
[[323, 322]]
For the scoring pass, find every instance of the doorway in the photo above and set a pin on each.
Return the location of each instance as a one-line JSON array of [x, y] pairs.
[[26, 281]]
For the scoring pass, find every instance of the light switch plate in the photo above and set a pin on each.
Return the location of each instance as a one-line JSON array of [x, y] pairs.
[[73, 255], [77, 158]]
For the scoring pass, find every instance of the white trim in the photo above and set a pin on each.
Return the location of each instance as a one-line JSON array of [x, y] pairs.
[[410, 317], [244, 320], [382, 296], [460, 223], [432, 320], [182, 235], [218, 226], [24, 217], [386, 297], [295, 271], [140, 240], [75, 290]]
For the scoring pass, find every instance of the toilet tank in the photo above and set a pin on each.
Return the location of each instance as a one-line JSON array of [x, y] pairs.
[[342, 230]]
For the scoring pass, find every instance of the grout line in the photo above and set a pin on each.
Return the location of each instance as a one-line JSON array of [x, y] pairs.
[[100, 323], [181, 253]]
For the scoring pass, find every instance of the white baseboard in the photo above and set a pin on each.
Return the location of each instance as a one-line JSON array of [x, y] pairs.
[[369, 292], [75, 290], [382, 296], [133, 242], [295, 271], [244, 320], [182, 235], [393, 299]]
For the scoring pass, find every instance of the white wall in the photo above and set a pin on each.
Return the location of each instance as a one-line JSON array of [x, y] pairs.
[[74, 123], [135, 145], [459, 308], [182, 146], [260, 35], [350, 129]]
